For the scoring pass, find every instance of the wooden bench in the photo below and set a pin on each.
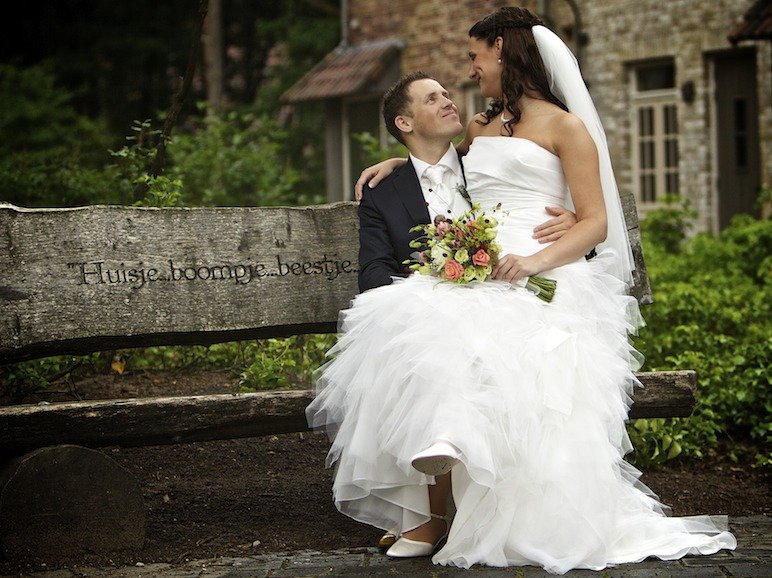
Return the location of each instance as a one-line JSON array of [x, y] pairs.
[[80, 280]]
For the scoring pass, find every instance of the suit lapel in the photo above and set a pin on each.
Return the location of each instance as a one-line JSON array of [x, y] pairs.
[[408, 189]]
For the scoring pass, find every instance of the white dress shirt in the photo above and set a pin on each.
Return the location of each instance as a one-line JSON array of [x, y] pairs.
[[443, 198]]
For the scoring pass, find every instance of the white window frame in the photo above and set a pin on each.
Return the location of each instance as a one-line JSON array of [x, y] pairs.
[[658, 100]]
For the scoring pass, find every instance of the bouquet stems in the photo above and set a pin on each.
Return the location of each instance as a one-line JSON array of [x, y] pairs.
[[542, 287]]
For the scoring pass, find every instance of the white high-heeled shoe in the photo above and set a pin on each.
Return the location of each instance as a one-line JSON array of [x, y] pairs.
[[407, 548], [436, 460]]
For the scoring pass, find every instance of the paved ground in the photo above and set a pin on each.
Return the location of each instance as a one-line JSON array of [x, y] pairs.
[[752, 559]]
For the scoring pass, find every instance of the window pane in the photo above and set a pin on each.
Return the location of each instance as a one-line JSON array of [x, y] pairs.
[[671, 153], [671, 119], [646, 121], [647, 188], [655, 77], [647, 155], [672, 183]]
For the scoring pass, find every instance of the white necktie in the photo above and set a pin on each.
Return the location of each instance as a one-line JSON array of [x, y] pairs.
[[436, 176]]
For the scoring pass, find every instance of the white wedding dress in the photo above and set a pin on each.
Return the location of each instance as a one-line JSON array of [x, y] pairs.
[[535, 396]]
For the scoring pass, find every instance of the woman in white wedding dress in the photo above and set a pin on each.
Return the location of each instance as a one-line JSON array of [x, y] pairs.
[[528, 400]]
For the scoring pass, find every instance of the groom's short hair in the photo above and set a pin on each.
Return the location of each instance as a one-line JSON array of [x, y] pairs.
[[397, 100]]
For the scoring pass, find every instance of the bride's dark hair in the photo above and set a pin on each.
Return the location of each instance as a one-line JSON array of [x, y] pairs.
[[523, 66]]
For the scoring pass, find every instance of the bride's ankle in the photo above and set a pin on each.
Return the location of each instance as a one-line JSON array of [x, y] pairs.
[[437, 525]]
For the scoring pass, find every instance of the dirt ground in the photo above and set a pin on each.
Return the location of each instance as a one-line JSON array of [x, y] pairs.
[[268, 494]]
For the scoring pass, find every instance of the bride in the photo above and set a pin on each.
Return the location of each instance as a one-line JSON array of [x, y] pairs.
[[515, 406]]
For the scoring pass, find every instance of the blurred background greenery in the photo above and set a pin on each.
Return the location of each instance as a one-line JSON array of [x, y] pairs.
[[86, 86]]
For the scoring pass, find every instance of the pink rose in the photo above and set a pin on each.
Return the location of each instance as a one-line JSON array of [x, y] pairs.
[[453, 270], [481, 258]]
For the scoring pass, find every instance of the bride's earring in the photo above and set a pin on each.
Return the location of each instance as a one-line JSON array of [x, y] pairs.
[[499, 60]]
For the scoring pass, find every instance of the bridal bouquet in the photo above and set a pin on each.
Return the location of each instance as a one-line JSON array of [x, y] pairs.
[[464, 249]]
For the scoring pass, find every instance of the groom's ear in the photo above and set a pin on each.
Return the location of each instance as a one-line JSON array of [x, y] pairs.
[[404, 123]]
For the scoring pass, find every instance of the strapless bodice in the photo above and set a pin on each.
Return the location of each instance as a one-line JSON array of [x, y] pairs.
[[521, 175]]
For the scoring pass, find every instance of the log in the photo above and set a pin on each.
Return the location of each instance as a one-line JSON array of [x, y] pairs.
[[68, 500], [95, 278], [171, 420], [92, 278], [664, 394]]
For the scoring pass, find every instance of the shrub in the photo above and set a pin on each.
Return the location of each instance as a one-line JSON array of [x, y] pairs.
[[234, 159], [668, 226], [711, 313]]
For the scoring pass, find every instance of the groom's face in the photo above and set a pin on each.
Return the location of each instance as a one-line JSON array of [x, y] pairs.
[[432, 114]]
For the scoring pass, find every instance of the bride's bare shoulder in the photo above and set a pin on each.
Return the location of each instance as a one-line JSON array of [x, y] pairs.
[[568, 132]]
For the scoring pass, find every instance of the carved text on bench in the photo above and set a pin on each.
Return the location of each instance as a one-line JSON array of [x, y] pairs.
[[137, 275]]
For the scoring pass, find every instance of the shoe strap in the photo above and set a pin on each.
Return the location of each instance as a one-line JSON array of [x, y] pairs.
[[447, 519]]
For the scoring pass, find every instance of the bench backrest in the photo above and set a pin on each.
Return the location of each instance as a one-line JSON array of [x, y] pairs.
[[86, 279]]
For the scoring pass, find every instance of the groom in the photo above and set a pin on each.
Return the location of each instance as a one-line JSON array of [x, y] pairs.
[[418, 112]]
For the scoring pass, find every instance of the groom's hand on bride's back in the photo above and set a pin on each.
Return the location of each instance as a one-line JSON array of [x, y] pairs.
[[554, 228], [551, 230]]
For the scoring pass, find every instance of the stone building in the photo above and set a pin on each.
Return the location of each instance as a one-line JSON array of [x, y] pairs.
[[684, 88]]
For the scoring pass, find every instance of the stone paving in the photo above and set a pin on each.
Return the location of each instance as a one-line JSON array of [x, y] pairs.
[[752, 559]]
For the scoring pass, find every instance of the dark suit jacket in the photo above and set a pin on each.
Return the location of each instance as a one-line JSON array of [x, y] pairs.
[[386, 215]]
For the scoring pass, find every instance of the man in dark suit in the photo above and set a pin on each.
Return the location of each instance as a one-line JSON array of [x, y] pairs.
[[418, 112]]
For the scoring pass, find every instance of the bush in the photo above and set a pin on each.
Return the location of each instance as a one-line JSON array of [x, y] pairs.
[[668, 226], [711, 313], [233, 160]]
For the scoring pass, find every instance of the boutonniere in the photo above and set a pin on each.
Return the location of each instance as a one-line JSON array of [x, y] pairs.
[[461, 190]]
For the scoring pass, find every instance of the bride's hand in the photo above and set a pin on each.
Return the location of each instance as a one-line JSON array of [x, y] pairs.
[[375, 174], [512, 268]]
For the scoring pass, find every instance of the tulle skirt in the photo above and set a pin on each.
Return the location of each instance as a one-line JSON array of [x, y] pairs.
[[534, 395]]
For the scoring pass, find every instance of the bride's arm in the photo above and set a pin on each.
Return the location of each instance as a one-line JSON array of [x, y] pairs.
[[579, 159], [473, 128]]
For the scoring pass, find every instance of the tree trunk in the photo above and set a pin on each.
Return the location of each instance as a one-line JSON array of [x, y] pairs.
[[213, 54]]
